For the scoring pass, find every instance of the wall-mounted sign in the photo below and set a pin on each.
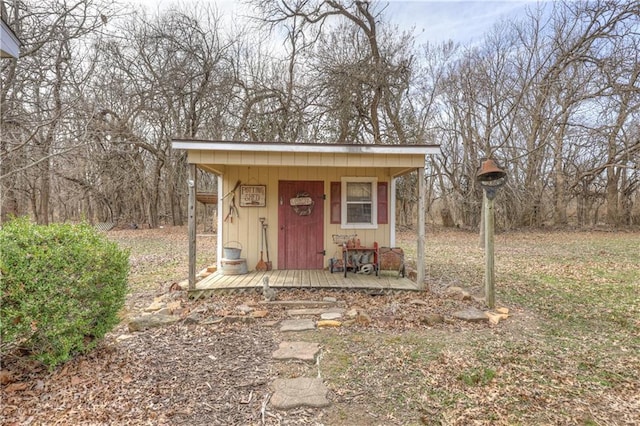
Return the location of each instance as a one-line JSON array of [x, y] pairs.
[[253, 195]]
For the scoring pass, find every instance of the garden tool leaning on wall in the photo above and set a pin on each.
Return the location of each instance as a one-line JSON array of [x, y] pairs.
[[262, 265], [266, 243]]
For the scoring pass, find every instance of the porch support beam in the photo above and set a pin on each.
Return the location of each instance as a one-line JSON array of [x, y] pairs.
[[420, 263], [191, 183], [220, 228]]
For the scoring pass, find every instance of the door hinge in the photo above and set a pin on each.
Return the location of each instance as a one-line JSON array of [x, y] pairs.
[[323, 252], [324, 196]]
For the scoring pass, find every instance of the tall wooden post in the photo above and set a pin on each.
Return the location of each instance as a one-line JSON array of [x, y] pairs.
[[191, 183], [422, 207], [491, 177], [489, 286]]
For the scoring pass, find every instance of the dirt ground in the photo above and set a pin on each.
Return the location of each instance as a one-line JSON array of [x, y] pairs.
[[220, 373]]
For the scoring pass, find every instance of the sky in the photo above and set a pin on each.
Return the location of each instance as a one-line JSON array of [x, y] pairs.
[[462, 21], [433, 21]]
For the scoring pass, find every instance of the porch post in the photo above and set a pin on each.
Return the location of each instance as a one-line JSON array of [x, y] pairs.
[[219, 234], [421, 228], [191, 183]]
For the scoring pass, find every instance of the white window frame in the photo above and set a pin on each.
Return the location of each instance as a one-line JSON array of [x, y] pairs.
[[374, 203]]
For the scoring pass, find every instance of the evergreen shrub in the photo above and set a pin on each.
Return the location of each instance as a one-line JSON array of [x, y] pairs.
[[61, 287]]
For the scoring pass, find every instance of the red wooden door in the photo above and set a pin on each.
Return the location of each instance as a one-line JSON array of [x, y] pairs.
[[301, 227]]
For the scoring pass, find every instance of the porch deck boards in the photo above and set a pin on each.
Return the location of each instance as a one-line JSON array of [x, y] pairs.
[[305, 279]]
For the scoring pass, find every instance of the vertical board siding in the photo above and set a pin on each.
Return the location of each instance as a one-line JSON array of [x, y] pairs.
[[246, 229]]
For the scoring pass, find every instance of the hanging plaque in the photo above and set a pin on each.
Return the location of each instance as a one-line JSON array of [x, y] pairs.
[[253, 195]]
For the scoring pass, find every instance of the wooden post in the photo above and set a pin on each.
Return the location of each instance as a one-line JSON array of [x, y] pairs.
[[220, 229], [191, 183], [489, 287], [421, 228]]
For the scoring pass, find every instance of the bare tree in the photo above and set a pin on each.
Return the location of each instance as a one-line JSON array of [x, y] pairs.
[[171, 77], [39, 96]]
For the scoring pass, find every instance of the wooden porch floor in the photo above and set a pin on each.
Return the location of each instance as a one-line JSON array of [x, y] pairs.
[[388, 281]]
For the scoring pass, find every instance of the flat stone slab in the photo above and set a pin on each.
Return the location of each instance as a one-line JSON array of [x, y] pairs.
[[314, 311], [302, 303], [299, 392], [146, 322], [303, 351], [297, 325], [331, 316], [305, 311], [471, 315]]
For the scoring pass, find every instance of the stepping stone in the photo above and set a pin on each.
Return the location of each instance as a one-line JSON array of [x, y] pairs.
[[331, 316], [297, 325], [471, 315], [146, 322], [302, 303], [303, 351], [305, 311], [299, 392], [313, 311]]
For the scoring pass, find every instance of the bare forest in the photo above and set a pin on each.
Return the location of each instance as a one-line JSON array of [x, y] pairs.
[[89, 109]]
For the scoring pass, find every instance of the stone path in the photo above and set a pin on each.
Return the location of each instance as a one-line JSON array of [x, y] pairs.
[[303, 391], [305, 315]]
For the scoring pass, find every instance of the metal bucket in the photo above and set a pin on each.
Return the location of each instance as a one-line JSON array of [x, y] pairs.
[[234, 266], [232, 252]]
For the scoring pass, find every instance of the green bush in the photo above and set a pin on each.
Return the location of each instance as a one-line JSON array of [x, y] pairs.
[[62, 287]]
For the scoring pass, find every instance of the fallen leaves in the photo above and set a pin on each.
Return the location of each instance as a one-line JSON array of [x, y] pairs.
[[16, 387], [401, 359]]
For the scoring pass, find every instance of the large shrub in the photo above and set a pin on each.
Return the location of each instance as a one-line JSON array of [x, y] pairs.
[[62, 287]]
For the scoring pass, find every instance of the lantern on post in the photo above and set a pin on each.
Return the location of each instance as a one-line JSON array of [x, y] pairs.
[[490, 177]]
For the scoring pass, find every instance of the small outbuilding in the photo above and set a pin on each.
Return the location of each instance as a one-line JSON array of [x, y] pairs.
[[303, 201]]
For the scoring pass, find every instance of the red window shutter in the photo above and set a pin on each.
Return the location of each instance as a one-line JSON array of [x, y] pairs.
[[383, 203], [335, 200]]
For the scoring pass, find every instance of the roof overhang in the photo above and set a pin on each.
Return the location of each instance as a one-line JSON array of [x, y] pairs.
[[9, 43], [209, 145], [217, 156]]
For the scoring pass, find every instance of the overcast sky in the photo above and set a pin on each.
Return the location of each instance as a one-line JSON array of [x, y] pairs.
[[462, 21], [433, 20]]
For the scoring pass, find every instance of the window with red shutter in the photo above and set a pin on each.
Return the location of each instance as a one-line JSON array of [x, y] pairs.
[[336, 201]]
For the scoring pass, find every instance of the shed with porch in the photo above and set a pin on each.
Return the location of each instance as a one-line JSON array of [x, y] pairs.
[[304, 196]]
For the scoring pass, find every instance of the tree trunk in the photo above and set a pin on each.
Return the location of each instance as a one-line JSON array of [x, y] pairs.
[[559, 196], [613, 199]]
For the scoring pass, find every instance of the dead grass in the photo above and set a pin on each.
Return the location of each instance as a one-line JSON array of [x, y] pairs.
[[569, 354]]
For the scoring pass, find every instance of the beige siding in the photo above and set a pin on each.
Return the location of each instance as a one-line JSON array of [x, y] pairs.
[[246, 228]]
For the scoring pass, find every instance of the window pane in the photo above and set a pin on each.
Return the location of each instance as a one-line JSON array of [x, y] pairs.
[[359, 213], [358, 191]]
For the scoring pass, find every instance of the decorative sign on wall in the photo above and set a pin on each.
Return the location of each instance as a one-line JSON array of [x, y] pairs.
[[253, 195]]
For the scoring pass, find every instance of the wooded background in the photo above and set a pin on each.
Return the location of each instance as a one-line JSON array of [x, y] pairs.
[[90, 107]]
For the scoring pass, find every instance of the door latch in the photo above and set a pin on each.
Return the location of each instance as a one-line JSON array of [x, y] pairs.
[[323, 252]]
